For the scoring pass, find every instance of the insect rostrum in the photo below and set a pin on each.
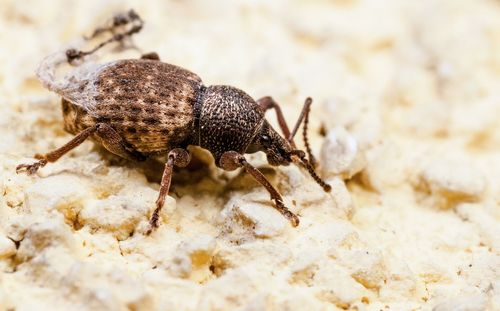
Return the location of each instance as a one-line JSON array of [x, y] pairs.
[[138, 108]]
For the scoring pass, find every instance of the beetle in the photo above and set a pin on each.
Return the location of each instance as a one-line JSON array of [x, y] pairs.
[[140, 108]]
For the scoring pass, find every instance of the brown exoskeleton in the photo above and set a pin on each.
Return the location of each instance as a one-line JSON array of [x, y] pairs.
[[138, 108]]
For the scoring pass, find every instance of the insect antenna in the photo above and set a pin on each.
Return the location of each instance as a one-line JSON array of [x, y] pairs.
[[307, 165], [310, 164], [304, 115], [118, 21]]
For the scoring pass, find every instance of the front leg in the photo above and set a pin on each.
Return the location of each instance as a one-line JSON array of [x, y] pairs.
[[180, 158], [122, 26], [231, 160], [266, 103]]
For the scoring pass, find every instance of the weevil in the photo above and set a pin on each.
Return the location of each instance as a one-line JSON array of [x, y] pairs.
[[140, 108]]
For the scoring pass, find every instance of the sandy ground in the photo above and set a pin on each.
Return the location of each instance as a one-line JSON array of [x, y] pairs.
[[405, 123]]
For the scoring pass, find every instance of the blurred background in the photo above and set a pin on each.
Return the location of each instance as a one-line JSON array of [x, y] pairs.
[[412, 87]]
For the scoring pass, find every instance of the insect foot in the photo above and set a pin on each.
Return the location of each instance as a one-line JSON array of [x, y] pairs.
[[294, 219], [31, 169], [231, 160], [180, 158]]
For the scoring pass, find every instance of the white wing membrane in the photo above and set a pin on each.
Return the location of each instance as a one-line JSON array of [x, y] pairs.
[[77, 83]]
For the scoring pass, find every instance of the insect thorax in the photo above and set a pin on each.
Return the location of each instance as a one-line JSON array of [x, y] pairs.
[[228, 121]]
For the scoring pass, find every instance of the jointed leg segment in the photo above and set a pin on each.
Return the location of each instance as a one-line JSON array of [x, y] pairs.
[[109, 139], [113, 142], [178, 157], [268, 102], [231, 160], [118, 22], [56, 154]]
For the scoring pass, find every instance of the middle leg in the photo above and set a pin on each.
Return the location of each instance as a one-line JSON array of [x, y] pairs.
[[180, 158], [119, 22]]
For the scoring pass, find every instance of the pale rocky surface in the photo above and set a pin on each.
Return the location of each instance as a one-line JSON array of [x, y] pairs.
[[407, 94]]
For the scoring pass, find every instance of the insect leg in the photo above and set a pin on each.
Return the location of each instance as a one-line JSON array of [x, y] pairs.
[[119, 21], [266, 103], [115, 144], [178, 157], [231, 160], [53, 156], [304, 115]]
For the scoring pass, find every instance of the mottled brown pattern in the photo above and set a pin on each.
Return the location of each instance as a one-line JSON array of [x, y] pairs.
[[76, 118], [148, 103]]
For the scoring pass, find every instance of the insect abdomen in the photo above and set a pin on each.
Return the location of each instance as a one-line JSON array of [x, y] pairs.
[[149, 103], [76, 118]]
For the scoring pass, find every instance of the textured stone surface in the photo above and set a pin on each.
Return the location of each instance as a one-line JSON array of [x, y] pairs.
[[413, 86]]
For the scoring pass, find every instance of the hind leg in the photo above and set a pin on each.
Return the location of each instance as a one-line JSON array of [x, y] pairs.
[[122, 26], [108, 137], [115, 144], [117, 21], [266, 103]]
